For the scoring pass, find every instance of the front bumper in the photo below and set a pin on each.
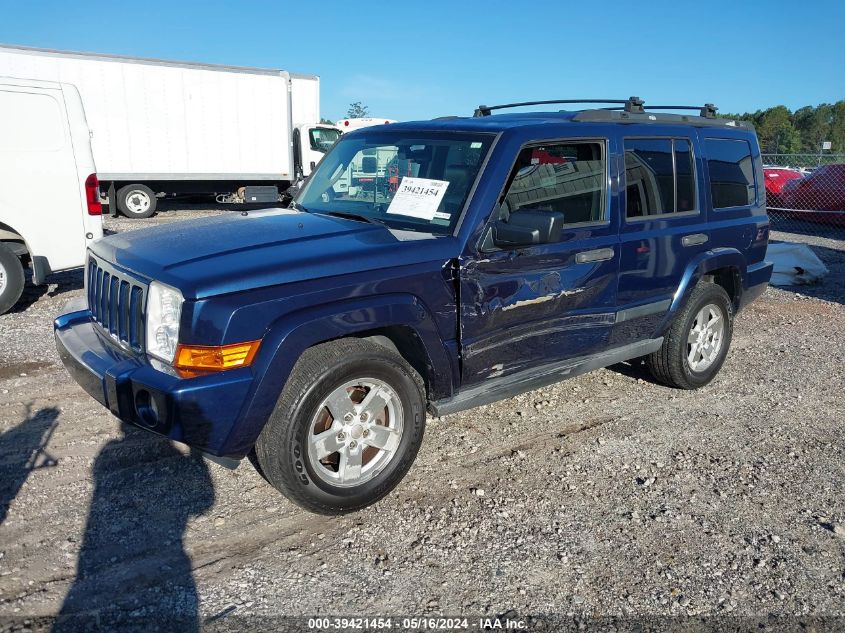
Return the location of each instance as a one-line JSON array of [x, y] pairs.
[[201, 412]]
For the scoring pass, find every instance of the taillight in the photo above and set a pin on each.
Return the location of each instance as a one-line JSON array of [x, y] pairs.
[[346, 123], [92, 195]]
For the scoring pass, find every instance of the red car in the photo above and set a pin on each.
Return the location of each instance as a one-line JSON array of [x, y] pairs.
[[823, 190], [776, 179]]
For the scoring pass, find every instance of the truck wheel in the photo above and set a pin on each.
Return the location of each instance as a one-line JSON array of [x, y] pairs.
[[11, 278], [346, 428], [136, 201], [697, 342]]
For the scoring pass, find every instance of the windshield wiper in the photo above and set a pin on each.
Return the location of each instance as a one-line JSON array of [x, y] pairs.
[[355, 216], [295, 205]]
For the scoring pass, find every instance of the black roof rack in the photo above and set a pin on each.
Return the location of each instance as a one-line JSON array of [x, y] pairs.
[[607, 115], [632, 104], [708, 110], [632, 110]]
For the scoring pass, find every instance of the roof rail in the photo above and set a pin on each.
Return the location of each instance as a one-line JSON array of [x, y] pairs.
[[632, 104], [708, 110], [615, 115]]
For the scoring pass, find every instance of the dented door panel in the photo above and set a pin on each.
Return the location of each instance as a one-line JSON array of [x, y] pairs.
[[525, 308]]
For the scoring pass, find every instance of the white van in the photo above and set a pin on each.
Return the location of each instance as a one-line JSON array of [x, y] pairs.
[[166, 128], [49, 194]]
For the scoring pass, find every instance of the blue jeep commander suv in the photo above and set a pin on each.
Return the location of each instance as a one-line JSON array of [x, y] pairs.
[[435, 265]]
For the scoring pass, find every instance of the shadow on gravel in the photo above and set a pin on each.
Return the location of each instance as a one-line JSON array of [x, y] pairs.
[[635, 369], [22, 450], [65, 282], [133, 571]]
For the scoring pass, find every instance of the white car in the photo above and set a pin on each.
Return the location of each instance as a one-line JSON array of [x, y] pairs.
[[50, 206]]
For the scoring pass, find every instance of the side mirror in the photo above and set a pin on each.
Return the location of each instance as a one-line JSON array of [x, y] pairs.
[[527, 227], [506, 236]]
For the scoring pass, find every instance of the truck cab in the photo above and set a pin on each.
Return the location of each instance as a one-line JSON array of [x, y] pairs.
[[515, 250], [310, 144]]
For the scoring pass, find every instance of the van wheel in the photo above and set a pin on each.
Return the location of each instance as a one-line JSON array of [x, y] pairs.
[[136, 201], [11, 278], [697, 343], [346, 428]]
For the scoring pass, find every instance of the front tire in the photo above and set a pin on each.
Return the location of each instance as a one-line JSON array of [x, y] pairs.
[[11, 278], [136, 201], [696, 345], [346, 428]]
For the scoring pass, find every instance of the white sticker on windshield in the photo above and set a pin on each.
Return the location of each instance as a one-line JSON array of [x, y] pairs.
[[418, 197]]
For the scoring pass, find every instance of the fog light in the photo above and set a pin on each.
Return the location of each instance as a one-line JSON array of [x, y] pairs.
[[147, 408]]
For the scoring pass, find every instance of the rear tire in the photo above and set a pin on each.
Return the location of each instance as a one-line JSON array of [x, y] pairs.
[[346, 428], [11, 278], [696, 345], [136, 201]]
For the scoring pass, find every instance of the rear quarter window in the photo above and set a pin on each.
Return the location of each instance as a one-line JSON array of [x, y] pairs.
[[731, 170]]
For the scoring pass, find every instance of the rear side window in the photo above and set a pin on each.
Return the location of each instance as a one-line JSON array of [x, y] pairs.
[[731, 173], [659, 177]]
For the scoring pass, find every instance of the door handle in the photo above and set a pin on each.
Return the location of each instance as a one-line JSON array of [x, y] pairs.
[[597, 255], [694, 240]]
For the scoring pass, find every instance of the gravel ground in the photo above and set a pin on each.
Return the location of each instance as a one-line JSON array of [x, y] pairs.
[[606, 496]]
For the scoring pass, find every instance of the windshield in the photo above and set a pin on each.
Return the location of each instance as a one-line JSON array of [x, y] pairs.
[[416, 181], [322, 138]]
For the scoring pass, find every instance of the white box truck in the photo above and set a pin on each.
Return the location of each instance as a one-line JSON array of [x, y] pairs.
[[166, 128], [49, 200]]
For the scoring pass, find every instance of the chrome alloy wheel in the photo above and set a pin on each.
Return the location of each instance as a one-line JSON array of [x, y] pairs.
[[705, 338], [355, 432], [138, 201]]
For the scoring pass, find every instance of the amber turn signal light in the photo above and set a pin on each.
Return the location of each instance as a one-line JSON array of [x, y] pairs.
[[215, 357]]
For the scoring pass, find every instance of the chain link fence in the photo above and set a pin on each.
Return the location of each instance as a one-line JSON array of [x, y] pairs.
[[805, 193]]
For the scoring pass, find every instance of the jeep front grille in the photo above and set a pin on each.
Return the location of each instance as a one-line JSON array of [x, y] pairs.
[[116, 301]]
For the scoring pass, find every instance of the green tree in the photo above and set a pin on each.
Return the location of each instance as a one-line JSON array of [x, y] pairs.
[[813, 123], [776, 132], [357, 111], [784, 132], [325, 121], [837, 127]]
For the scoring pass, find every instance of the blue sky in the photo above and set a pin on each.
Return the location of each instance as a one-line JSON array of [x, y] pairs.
[[408, 60]]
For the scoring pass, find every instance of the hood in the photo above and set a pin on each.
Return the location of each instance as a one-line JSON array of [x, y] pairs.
[[240, 251]]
